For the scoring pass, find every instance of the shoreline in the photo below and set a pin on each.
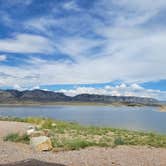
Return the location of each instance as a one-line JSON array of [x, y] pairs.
[[64, 127], [122, 154], [25, 120], [79, 104]]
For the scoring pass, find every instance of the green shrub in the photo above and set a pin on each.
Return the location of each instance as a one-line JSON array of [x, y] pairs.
[[119, 141], [15, 137], [73, 144], [77, 144]]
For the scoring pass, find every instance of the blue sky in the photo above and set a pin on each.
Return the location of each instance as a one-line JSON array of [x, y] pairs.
[[80, 46]]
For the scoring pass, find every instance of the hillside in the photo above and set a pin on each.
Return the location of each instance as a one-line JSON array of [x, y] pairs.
[[41, 96]]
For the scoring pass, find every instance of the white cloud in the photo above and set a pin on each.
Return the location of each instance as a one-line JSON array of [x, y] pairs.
[[35, 87], [125, 64], [121, 90], [18, 87], [130, 12], [3, 58], [77, 47], [128, 20], [141, 5], [42, 24], [27, 43], [71, 5], [125, 47]]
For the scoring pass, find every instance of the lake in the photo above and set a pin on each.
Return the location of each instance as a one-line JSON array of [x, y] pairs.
[[133, 118]]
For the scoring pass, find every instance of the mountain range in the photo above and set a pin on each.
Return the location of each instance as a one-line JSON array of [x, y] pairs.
[[50, 97]]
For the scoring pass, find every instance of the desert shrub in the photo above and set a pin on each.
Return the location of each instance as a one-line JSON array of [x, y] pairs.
[[119, 141], [15, 137]]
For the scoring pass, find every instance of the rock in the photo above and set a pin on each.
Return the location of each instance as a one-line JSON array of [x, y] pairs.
[[32, 132], [37, 134], [41, 143], [31, 129]]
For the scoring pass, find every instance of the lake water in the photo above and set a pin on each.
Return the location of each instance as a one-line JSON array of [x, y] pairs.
[[135, 118]]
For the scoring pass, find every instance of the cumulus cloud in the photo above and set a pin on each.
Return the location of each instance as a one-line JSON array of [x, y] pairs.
[[113, 40], [119, 90], [18, 87]]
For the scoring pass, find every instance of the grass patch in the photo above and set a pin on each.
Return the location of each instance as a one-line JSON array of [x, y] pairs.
[[72, 136], [72, 144], [15, 137]]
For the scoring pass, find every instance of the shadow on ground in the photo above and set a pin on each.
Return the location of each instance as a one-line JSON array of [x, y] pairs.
[[31, 162]]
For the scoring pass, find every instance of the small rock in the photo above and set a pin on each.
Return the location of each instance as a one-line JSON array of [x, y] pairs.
[[29, 132], [37, 134], [41, 143]]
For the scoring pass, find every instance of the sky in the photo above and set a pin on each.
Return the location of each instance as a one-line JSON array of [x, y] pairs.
[[84, 46]]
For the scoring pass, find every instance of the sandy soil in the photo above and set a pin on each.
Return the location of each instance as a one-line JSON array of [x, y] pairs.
[[120, 156]]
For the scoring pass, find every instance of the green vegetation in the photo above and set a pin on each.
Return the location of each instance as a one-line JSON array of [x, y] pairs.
[[15, 137], [71, 136]]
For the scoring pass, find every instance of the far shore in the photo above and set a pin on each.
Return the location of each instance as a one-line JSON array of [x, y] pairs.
[[78, 104]]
